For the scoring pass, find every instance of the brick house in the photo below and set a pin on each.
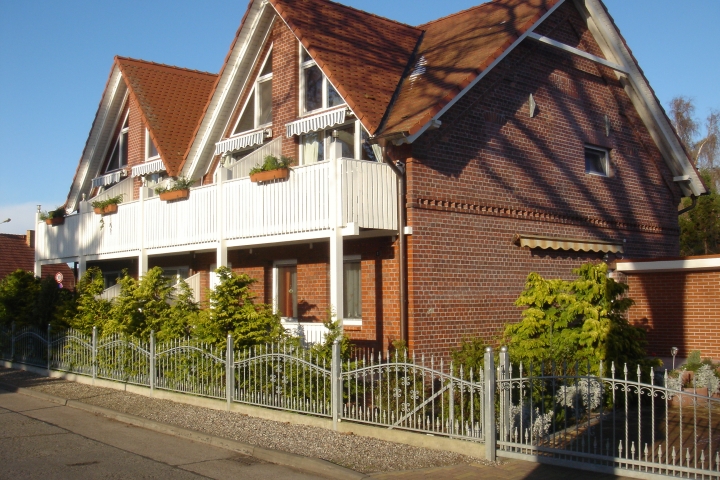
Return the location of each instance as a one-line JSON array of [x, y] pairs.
[[434, 166], [17, 252]]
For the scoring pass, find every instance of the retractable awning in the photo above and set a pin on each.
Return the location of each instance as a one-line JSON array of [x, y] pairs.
[[147, 168], [238, 143], [578, 245], [317, 122]]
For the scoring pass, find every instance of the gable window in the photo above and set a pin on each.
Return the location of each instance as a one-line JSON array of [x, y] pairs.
[[352, 292], [316, 92], [118, 158], [151, 152], [315, 146], [257, 111], [597, 161]]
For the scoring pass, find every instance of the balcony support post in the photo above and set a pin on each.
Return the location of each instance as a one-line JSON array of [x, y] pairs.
[[83, 208], [221, 176], [336, 233], [144, 193], [37, 238]]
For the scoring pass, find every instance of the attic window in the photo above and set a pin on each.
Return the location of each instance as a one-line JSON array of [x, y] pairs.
[[257, 111], [151, 152], [316, 92], [118, 157]]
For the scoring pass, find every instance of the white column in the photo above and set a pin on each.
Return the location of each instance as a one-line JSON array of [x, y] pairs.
[[144, 193], [222, 174], [83, 208], [336, 236], [36, 246]]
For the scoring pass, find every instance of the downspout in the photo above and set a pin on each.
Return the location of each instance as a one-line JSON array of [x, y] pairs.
[[399, 170], [692, 205]]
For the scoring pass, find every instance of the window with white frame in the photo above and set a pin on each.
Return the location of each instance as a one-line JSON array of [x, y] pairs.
[[285, 289], [352, 291], [257, 111], [316, 92], [315, 146], [597, 161], [151, 152], [118, 158]]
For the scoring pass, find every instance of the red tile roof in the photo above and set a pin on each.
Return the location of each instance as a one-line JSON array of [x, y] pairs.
[[172, 101], [16, 254], [362, 54], [454, 51]]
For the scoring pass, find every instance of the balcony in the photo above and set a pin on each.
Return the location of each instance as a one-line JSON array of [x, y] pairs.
[[306, 206]]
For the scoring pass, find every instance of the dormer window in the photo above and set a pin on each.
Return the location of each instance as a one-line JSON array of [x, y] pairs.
[[257, 111], [151, 152], [316, 92], [119, 156]]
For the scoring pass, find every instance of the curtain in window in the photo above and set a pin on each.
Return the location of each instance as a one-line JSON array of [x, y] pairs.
[[313, 151], [352, 298]]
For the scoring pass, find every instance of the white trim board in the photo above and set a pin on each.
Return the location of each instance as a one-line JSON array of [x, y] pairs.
[[685, 264]]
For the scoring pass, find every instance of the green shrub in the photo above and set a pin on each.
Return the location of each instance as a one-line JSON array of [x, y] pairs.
[[181, 183], [108, 201], [59, 212], [271, 162]]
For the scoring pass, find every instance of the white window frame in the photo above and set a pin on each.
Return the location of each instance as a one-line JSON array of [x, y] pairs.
[[605, 162], [121, 138], [148, 142], [256, 99], [276, 286], [327, 140], [326, 82], [353, 321]]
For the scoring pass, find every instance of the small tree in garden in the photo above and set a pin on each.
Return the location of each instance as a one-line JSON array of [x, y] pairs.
[[18, 294], [90, 311], [183, 314], [581, 320], [232, 310]]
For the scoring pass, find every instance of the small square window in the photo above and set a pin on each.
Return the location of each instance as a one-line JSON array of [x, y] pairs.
[[597, 161]]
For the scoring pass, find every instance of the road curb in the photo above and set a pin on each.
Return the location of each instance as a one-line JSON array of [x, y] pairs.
[[310, 465]]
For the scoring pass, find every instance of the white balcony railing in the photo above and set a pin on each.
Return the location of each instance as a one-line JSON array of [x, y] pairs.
[[299, 205]]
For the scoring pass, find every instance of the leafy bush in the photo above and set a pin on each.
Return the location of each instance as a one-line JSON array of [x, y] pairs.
[[18, 294], [108, 201], [181, 183], [271, 162], [90, 311], [576, 321], [59, 212]]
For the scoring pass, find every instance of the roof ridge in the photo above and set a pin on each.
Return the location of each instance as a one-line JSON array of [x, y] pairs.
[[149, 62], [475, 7], [370, 14]]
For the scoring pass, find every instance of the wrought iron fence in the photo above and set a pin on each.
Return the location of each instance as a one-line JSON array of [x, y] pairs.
[[614, 422]]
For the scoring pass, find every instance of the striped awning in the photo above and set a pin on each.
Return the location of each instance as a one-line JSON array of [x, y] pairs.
[[317, 122], [238, 143], [578, 245], [108, 179], [146, 168]]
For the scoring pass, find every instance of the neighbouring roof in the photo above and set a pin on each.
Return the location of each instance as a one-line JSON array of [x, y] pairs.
[[15, 253], [363, 55], [171, 101], [454, 51]]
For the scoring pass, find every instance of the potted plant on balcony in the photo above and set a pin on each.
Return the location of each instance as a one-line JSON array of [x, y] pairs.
[[179, 190], [54, 217], [272, 168], [107, 206]]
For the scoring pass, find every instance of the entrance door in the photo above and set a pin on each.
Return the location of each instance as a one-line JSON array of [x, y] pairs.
[[287, 291]]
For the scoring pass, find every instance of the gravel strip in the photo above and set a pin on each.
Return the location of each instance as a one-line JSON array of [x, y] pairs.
[[362, 454]]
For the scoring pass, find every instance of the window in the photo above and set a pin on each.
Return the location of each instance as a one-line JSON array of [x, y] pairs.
[[110, 278], [315, 146], [597, 161], [286, 289], [315, 90], [151, 152], [258, 107], [172, 273], [352, 297], [118, 158]]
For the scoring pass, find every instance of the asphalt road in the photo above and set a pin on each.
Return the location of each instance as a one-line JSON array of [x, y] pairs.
[[40, 439]]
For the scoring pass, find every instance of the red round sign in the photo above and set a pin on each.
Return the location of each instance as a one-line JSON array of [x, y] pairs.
[[59, 277]]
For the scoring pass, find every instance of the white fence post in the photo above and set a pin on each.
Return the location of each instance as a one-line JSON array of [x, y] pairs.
[[489, 427], [152, 360], [48, 349], [504, 374], [94, 354], [229, 371], [336, 383]]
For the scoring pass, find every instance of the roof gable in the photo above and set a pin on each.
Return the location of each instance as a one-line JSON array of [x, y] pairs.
[[363, 55], [171, 102]]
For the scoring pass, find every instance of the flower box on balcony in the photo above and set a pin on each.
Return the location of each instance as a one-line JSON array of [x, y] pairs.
[[173, 195], [279, 174], [112, 208], [55, 221]]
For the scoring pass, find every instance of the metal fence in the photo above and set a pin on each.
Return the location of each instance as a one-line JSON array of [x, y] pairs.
[[558, 414]]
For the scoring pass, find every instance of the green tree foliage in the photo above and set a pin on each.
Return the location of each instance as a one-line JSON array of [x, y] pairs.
[[581, 320], [90, 310], [18, 297], [232, 310], [700, 227], [470, 354]]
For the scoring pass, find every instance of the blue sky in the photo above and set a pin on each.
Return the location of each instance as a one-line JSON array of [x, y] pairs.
[[55, 58]]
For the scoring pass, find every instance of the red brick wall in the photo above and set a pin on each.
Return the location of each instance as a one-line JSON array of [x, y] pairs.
[[491, 172], [678, 309]]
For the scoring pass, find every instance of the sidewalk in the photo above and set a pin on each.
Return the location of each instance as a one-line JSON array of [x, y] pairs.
[[314, 450]]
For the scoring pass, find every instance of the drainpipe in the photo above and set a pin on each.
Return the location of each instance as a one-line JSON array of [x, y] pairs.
[[692, 205], [399, 170]]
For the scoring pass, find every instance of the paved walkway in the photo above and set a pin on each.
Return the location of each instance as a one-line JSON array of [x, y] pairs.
[[508, 470]]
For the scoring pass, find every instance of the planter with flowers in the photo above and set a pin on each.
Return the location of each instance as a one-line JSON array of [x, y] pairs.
[[272, 168], [697, 378], [179, 190], [107, 206], [54, 217]]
